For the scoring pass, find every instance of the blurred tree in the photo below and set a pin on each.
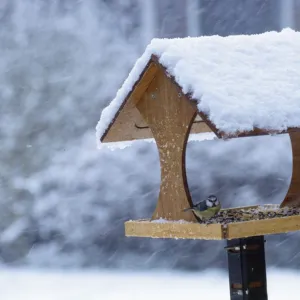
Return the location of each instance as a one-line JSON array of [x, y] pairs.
[[58, 63]]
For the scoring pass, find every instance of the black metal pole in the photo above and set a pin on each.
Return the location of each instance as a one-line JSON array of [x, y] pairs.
[[247, 268]]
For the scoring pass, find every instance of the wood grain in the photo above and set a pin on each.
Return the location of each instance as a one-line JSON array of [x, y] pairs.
[[148, 228], [203, 116], [173, 230], [262, 227], [122, 127], [170, 116], [256, 132], [197, 127], [293, 195]]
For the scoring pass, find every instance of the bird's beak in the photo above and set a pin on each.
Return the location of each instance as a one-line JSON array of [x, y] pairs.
[[187, 209]]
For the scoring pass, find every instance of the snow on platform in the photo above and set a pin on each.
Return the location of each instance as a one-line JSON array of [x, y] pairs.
[[59, 285], [240, 82]]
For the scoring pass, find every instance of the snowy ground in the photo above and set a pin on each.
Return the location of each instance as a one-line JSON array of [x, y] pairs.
[[58, 285]]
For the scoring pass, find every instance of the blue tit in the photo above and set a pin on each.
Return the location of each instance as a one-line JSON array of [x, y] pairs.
[[206, 209]]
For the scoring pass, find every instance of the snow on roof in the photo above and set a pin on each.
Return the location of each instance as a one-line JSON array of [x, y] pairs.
[[240, 82]]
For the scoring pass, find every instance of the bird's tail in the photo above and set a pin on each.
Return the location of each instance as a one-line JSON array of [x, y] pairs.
[[187, 209]]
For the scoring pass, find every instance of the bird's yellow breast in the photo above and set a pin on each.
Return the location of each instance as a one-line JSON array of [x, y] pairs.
[[207, 214]]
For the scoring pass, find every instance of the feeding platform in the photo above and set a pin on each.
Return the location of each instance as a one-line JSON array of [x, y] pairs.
[[227, 87], [228, 224]]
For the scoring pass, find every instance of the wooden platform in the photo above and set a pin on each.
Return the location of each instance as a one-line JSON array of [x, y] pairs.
[[218, 231]]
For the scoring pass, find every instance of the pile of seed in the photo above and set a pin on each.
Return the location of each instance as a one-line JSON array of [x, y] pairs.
[[249, 214]]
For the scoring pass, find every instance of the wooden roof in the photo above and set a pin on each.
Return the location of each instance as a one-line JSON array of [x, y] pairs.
[[128, 124], [241, 85]]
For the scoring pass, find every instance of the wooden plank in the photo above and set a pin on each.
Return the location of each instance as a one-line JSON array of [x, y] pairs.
[[262, 227], [200, 127], [170, 116], [293, 195], [143, 83], [147, 228], [123, 126], [197, 126], [216, 231], [173, 230], [257, 132]]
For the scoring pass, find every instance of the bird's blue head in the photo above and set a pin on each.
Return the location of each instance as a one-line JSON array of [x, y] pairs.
[[212, 201]]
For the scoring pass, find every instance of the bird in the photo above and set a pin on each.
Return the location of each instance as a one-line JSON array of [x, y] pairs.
[[206, 209]]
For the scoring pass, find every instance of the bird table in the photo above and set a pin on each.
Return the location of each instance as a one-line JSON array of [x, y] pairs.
[[216, 87]]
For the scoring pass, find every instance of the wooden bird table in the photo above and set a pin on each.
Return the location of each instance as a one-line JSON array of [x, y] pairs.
[[169, 95]]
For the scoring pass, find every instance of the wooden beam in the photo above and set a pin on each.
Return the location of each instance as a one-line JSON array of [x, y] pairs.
[[257, 132], [173, 230], [293, 195], [200, 127], [262, 227], [170, 116], [193, 230], [197, 126]]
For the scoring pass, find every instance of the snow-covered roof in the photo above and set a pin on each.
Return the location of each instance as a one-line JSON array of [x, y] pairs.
[[240, 82]]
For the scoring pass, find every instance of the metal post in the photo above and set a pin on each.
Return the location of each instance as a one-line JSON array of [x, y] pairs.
[[247, 269]]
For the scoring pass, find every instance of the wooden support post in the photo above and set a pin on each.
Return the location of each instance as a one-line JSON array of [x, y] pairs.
[[247, 268], [170, 117], [293, 195]]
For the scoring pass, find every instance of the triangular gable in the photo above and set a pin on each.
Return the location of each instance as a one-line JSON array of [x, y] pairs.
[[128, 123]]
